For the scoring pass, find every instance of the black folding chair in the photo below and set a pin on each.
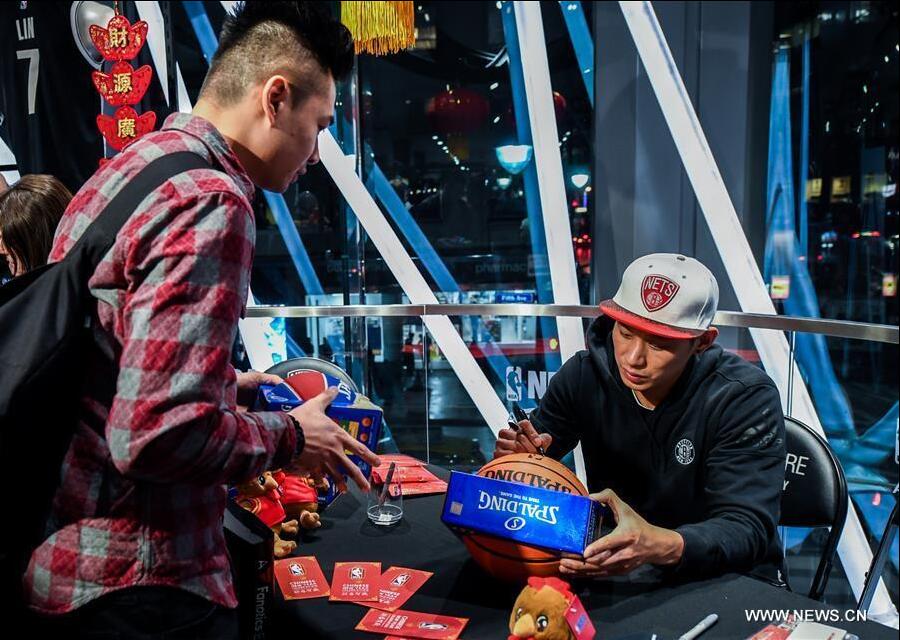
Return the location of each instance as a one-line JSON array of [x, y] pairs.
[[815, 493]]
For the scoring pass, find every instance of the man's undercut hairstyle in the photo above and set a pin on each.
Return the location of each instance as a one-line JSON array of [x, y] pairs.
[[262, 39]]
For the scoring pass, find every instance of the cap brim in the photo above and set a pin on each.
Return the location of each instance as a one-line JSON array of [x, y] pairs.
[[629, 319]]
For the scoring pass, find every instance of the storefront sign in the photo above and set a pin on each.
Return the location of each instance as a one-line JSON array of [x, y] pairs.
[[840, 188], [514, 297], [781, 287], [531, 386], [813, 188], [889, 285]]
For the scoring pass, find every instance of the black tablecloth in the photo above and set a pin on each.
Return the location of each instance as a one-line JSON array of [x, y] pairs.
[[639, 604]]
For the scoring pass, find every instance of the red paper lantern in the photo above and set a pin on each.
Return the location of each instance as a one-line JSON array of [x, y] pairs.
[[559, 106], [457, 111]]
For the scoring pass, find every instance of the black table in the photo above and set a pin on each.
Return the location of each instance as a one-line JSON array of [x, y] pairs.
[[619, 608]]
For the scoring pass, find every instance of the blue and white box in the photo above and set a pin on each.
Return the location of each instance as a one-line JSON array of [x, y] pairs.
[[552, 520], [352, 411]]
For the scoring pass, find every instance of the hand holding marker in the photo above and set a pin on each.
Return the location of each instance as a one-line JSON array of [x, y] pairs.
[[518, 416]]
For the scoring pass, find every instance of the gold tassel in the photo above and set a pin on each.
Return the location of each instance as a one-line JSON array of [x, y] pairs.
[[380, 27]]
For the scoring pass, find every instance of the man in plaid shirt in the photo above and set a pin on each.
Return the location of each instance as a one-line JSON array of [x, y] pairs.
[[135, 536]]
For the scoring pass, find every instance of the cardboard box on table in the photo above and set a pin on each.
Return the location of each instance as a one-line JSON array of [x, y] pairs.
[[250, 548], [352, 411], [551, 520]]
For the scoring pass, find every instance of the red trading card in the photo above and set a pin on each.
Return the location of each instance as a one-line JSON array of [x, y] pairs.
[[356, 581], [412, 624], [397, 586], [404, 475], [301, 578], [424, 488], [772, 632], [400, 460]]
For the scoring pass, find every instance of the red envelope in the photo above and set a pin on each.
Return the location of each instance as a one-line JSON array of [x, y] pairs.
[[424, 488], [301, 578], [771, 632], [412, 624], [356, 581], [399, 460], [398, 584], [404, 475]]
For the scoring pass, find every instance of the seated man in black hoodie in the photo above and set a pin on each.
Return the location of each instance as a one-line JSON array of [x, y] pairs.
[[683, 440]]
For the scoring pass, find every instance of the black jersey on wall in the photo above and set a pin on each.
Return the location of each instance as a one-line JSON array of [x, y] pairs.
[[47, 100]]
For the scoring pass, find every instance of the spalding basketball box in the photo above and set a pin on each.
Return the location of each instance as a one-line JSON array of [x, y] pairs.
[[544, 518], [352, 411]]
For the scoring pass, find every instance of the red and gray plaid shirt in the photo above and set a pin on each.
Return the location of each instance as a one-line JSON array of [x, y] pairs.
[[142, 503]]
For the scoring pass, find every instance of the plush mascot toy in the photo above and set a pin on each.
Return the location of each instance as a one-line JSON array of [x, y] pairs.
[[546, 609], [300, 498], [261, 498]]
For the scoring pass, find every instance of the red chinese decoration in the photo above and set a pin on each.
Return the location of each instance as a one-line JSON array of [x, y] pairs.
[[122, 85], [125, 126], [120, 40]]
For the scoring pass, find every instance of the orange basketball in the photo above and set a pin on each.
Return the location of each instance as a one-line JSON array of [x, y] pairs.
[[513, 561]]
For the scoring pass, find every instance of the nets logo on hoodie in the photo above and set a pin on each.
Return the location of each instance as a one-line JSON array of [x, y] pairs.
[[684, 451]]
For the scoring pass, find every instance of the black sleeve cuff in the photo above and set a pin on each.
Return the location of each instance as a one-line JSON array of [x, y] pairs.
[[301, 440], [696, 553]]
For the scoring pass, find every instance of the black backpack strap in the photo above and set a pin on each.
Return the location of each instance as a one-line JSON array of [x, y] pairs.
[[102, 232], [97, 239]]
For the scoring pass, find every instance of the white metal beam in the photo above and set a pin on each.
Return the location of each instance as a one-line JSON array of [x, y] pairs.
[[740, 264], [342, 171], [551, 182]]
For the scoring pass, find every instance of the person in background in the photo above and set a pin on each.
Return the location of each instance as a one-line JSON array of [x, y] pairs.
[[4, 277], [29, 213]]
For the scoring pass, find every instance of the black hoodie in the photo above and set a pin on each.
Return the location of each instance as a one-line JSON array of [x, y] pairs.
[[707, 462]]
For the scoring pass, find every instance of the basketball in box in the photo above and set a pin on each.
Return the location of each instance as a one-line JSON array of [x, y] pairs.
[[544, 518], [352, 411]]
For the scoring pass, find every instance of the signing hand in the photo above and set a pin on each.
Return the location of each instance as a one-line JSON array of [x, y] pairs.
[[633, 543], [525, 440], [248, 386]]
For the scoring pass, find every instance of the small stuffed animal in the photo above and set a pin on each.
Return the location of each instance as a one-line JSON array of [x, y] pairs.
[[260, 497], [300, 498], [540, 611]]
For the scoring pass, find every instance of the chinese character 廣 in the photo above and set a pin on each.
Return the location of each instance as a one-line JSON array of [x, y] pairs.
[[126, 128]]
